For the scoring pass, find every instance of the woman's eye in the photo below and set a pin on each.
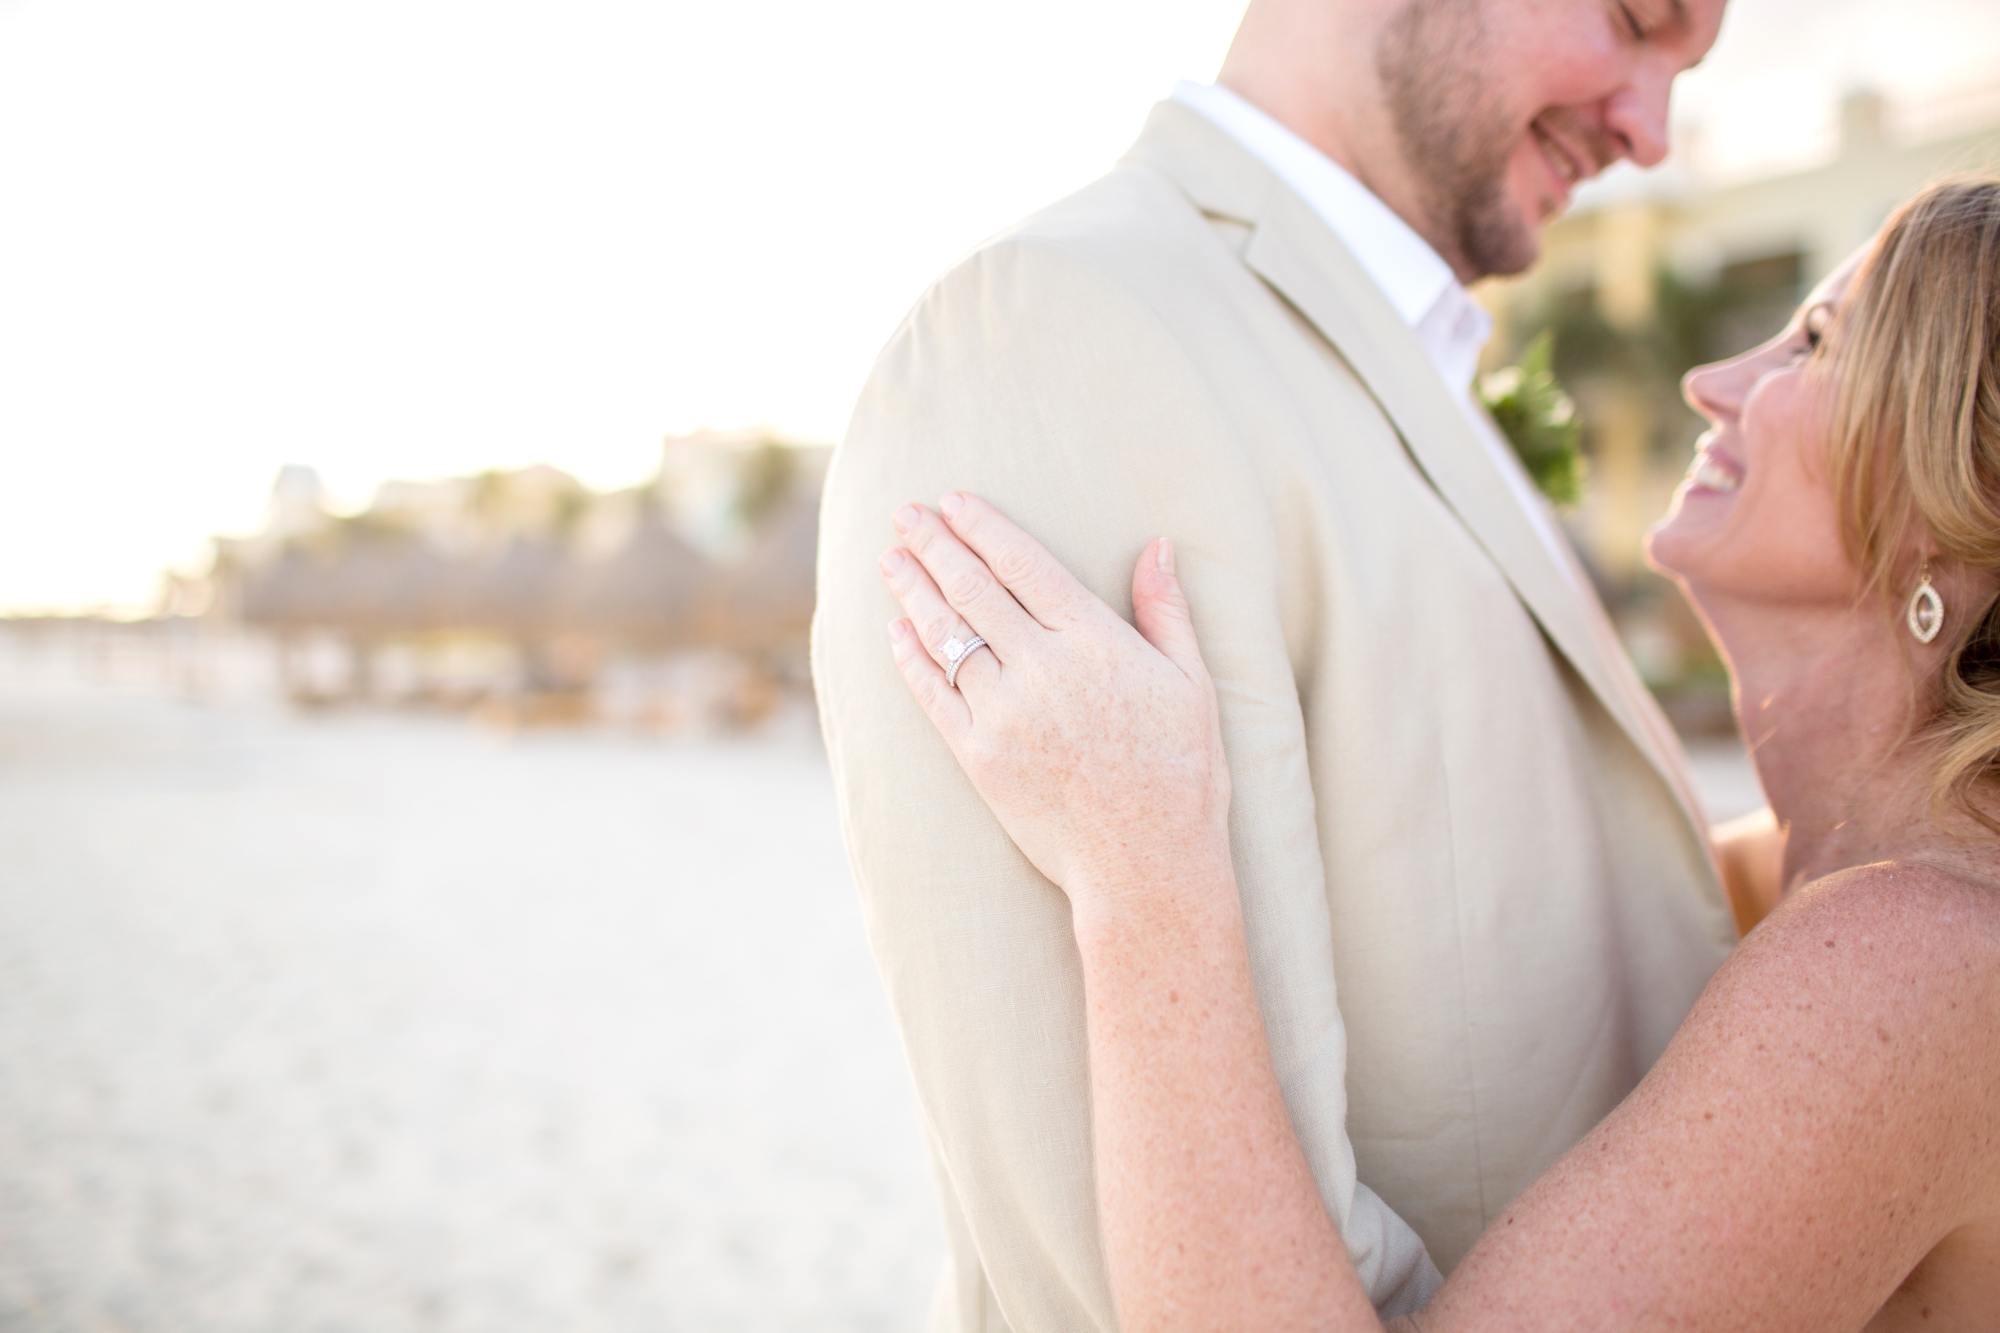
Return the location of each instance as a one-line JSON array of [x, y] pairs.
[[1812, 332], [1632, 24], [1816, 321]]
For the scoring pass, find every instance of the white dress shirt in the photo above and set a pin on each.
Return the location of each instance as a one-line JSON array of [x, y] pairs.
[[1451, 326]]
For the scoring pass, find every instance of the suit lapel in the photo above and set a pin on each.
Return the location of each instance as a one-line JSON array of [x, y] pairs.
[[1305, 263]]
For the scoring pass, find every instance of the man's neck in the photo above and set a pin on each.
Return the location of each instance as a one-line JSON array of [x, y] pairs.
[[1317, 125], [1303, 96]]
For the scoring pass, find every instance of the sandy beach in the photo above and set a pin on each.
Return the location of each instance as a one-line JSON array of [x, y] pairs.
[[381, 1022]]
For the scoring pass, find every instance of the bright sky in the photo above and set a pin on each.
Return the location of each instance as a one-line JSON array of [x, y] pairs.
[[419, 237]]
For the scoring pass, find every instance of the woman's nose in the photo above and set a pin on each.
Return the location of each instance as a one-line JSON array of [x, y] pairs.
[[1712, 391]]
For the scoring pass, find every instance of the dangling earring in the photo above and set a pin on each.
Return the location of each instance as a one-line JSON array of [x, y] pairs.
[[1926, 614]]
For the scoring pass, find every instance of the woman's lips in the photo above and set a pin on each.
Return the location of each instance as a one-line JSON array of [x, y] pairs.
[[1714, 470]]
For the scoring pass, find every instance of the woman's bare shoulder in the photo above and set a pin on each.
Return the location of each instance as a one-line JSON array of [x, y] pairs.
[[1905, 952], [1880, 918]]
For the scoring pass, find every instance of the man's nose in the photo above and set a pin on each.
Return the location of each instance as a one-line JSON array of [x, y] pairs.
[[1637, 115]]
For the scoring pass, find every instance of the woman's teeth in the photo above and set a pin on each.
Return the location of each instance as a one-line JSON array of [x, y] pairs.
[[1708, 474]]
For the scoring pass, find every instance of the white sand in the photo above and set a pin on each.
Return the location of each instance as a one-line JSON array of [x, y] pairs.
[[382, 1023]]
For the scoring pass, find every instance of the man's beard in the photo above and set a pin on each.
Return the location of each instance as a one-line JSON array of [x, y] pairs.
[[1455, 138]]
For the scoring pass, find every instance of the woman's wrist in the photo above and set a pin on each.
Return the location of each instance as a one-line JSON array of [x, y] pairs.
[[1159, 901]]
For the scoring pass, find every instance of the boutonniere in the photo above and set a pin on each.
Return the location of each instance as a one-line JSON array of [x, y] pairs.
[[1539, 420]]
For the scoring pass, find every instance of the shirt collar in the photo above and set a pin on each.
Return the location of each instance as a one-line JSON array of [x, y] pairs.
[[1420, 286]]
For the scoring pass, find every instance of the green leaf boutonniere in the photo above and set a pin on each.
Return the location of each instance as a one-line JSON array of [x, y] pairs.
[[1539, 420]]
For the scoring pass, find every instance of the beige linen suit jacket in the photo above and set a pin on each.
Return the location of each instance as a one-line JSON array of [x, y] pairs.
[[1476, 885]]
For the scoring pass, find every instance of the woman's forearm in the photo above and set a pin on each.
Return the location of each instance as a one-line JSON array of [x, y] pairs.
[[1211, 1217]]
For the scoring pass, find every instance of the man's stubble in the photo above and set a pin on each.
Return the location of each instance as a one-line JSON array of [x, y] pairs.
[[1455, 136]]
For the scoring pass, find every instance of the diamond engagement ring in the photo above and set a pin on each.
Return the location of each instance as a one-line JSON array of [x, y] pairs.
[[955, 653]]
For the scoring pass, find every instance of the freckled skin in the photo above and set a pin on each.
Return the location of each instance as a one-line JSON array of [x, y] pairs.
[[1082, 776], [1818, 1149]]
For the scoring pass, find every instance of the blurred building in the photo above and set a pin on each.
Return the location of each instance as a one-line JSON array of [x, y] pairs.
[[1655, 272], [526, 589]]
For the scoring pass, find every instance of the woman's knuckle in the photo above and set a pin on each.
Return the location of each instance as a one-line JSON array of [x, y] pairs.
[[966, 585], [1015, 566]]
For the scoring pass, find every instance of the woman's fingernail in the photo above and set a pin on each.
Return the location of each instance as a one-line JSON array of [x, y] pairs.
[[1165, 556], [905, 518], [899, 630], [892, 559], [951, 504]]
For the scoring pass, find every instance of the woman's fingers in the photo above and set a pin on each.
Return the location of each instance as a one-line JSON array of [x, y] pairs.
[[1051, 594], [944, 706], [1160, 609], [936, 622], [967, 584]]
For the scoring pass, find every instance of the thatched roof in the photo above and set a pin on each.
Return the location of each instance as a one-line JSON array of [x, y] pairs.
[[396, 572], [767, 597], [647, 590]]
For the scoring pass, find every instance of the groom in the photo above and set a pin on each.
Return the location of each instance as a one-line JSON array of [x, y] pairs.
[[1475, 879]]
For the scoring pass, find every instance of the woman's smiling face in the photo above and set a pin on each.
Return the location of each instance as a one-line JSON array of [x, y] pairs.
[[1756, 518]]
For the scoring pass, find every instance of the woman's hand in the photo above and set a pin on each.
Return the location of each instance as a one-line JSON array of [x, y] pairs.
[[1100, 750], [1098, 747]]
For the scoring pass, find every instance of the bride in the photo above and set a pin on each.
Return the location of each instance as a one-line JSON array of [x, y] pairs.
[[1819, 1148]]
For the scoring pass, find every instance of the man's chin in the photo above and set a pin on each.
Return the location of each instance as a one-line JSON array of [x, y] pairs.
[[1500, 234], [1500, 243]]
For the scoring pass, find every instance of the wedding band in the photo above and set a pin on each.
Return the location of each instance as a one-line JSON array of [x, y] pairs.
[[955, 653]]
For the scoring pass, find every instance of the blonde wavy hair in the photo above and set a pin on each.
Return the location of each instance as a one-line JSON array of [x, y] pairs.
[[1915, 447]]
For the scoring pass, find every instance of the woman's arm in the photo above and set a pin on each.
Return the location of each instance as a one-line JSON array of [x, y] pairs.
[[1102, 757], [1823, 1120], [1211, 1218]]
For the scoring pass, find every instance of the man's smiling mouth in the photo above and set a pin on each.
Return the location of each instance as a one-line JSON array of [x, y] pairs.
[[1568, 169]]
